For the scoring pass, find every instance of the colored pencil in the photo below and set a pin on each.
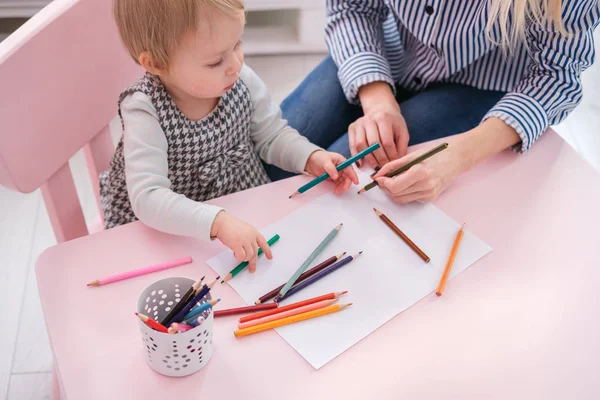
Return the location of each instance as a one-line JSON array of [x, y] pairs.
[[140, 271], [197, 297], [309, 260], [406, 166], [289, 313], [178, 327], [446, 274], [244, 264], [199, 321], [290, 320], [309, 281], [183, 302], [245, 310], [340, 167], [197, 310], [328, 296], [302, 277], [152, 323], [402, 235]]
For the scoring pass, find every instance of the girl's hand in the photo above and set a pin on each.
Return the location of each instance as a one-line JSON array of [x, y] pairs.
[[322, 161], [242, 238]]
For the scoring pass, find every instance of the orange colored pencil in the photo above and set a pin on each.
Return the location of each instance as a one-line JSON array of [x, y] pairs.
[[291, 320], [152, 323], [263, 314], [450, 261], [289, 313]]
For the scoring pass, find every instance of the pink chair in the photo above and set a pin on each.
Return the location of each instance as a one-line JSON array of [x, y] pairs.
[[60, 74]]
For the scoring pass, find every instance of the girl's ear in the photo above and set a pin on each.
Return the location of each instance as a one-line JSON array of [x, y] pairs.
[[150, 65]]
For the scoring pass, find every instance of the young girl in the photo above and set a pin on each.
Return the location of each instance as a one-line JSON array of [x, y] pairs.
[[197, 125]]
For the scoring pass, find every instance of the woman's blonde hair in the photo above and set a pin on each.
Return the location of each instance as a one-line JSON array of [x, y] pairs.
[[514, 15], [157, 26]]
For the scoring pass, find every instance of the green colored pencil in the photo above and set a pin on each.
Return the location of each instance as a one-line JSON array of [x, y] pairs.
[[244, 264], [309, 260], [406, 166], [340, 167]]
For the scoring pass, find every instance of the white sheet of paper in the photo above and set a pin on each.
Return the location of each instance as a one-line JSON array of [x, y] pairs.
[[387, 279]]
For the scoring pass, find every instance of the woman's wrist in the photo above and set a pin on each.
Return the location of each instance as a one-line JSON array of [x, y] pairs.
[[482, 142], [375, 94]]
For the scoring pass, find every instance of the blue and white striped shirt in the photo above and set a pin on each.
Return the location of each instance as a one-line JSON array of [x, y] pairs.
[[415, 43]]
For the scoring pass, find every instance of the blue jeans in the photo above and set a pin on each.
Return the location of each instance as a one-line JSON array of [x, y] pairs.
[[319, 110]]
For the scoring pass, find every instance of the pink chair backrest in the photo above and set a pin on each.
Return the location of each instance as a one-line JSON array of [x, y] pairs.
[[60, 77]]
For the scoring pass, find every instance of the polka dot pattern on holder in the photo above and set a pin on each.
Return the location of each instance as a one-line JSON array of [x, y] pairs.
[[178, 354]]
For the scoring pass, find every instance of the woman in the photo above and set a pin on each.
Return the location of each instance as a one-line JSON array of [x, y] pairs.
[[494, 73]]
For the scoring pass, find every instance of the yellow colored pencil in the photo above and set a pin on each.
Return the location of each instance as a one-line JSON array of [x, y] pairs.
[[290, 320]]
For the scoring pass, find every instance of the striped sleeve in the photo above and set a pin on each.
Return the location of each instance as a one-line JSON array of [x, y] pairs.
[[551, 88], [354, 36]]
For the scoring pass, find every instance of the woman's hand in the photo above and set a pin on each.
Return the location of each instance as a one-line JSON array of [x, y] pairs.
[[428, 179], [382, 122], [424, 181]]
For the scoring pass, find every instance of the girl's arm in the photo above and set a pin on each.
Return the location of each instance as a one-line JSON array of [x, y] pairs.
[[147, 175]]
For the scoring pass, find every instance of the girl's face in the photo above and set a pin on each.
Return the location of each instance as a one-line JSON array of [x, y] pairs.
[[208, 61]]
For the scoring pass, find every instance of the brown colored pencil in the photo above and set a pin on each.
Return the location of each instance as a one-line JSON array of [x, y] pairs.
[[245, 310], [446, 273], [302, 277], [403, 236]]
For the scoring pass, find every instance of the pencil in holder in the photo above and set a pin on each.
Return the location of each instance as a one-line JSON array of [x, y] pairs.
[[179, 354]]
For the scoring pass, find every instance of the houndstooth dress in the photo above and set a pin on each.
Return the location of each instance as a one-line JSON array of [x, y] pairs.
[[208, 158]]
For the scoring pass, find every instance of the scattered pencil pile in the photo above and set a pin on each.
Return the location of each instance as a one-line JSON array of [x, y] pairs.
[[271, 315], [187, 313]]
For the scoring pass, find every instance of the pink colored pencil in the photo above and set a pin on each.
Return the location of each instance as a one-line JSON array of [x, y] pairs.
[[140, 271], [289, 313]]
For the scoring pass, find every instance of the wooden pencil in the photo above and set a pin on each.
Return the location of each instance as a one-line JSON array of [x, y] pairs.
[[140, 271], [245, 310], [328, 296], [407, 166], [152, 323], [290, 320], [241, 266], [310, 259], [446, 274], [340, 167], [402, 235], [302, 277], [289, 313], [321, 274], [187, 297]]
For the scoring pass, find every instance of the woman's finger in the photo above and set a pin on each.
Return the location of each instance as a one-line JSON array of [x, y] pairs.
[[352, 139], [398, 184], [372, 133], [416, 196], [360, 140], [386, 136]]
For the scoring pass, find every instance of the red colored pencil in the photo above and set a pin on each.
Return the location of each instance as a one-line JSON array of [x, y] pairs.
[[329, 296], [152, 323], [245, 310]]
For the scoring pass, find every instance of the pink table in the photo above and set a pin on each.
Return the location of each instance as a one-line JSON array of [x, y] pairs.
[[521, 323]]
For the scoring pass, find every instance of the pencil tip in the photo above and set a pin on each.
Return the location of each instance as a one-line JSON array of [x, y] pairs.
[[344, 292], [223, 281]]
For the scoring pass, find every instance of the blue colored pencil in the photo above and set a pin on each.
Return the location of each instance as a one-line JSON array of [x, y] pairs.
[[340, 167], [203, 292], [194, 312], [310, 280]]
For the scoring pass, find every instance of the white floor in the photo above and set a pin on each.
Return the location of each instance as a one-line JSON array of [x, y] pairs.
[[25, 357]]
